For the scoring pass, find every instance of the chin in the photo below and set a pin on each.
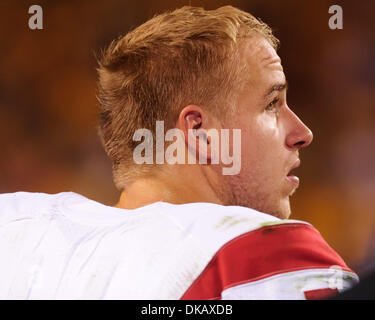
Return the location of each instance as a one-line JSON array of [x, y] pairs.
[[254, 196], [284, 210], [279, 209], [284, 215]]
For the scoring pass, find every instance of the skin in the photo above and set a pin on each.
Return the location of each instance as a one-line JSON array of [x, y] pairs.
[[271, 135]]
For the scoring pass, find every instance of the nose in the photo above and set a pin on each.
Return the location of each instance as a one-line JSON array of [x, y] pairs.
[[298, 134]]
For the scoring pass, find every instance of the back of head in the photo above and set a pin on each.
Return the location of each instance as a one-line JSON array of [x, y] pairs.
[[187, 56]]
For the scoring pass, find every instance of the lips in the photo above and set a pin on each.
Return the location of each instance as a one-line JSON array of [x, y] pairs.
[[294, 180]]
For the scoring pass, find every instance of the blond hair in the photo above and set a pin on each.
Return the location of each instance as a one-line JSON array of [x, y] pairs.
[[187, 56]]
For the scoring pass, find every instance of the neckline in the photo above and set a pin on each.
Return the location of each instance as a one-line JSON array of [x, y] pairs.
[[72, 201]]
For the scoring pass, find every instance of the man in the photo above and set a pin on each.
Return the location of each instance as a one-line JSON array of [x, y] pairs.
[[185, 226]]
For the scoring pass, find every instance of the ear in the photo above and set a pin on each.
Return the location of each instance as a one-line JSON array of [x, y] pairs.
[[193, 123]]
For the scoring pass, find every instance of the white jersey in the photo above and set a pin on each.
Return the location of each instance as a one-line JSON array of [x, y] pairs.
[[66, 246]]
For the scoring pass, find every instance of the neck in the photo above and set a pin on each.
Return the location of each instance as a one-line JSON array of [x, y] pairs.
[[176, 184]]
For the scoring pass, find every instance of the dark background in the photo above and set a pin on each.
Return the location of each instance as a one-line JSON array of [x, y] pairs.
[[48, 108]]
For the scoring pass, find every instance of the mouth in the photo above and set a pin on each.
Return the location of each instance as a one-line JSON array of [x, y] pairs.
[[291, 178]]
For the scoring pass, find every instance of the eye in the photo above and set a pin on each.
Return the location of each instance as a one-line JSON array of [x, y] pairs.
[[272, 106]]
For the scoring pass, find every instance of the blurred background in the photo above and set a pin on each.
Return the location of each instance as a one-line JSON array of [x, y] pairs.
[[48, 108]]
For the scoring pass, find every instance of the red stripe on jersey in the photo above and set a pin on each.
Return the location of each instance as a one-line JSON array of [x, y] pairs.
[[318, 294], [262, 253]]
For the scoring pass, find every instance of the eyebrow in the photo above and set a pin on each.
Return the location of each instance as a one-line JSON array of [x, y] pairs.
[[277, 87]]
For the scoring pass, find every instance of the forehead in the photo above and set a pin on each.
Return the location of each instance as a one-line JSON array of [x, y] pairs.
[[261, 60]]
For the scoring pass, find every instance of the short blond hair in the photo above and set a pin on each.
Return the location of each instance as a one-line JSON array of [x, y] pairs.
[[177, 58]]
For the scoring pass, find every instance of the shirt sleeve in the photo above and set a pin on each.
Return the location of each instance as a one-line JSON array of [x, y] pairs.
[[284, 261]]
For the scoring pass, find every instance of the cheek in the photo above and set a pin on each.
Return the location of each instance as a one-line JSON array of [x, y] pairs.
[[262, 148], [262, 137]]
